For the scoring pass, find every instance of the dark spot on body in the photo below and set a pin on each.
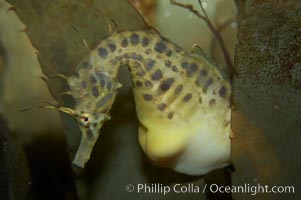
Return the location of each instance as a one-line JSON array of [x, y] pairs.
[[124, 42], [178, 89], [148, 51], [101, 78], [198, 81], [149, 63], [184, 64], [145, 41], [139, 70], [134, 39], [140, 73], [147, 97], [175, 69], [200, 100], [89, 133], [166, 84], [203, 73], [92, 79], [187, 97], [104, 100], [222, 92], [162, 106], [212, 102], [102, 52], [109, 85], [95, 91], [160, 47], [94, 125], [168, 53], [157, 75], [126, 55], [118, 58], [170, 115], [190, 68], [136, 56], [139, 84], [86, 65], [207, 85], [148, 84], [112, 47], [167, 63]]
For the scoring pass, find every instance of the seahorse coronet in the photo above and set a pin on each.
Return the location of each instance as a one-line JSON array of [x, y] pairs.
[[182, 100]]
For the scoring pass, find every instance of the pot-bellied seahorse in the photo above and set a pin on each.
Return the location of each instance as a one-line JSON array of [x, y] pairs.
[[182, 101]]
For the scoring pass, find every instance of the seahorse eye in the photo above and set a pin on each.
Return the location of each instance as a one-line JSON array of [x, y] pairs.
[[85, 119]]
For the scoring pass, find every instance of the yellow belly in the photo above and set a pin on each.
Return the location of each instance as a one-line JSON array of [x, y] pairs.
[[192, 145]]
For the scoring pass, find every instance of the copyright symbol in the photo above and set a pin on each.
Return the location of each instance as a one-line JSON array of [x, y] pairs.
[[130, 188]]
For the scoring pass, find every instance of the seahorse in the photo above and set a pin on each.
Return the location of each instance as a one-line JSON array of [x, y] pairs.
[[182, 101]]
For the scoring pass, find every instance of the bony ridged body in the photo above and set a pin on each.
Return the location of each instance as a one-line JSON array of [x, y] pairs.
[[182, 101]]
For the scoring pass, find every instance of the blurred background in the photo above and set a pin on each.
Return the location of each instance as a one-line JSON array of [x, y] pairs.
[[38, 145]]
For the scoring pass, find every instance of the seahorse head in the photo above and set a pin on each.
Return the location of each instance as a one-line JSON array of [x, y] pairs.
[[94, 91], [90, 123]]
